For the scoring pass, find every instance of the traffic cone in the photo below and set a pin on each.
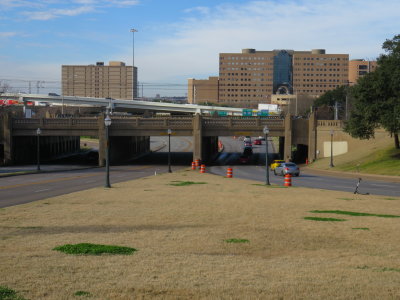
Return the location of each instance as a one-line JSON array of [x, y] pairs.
[[203, 169], [229, 173], [193, 165], [288, 180]]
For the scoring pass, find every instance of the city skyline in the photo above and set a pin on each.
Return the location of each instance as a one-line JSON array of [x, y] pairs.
[[177, 40]]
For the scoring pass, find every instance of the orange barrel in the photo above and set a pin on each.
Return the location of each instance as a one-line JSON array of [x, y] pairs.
[[306, 161], [229, 173], [193, 165], [197, 162], [202, 168], [288, 180]]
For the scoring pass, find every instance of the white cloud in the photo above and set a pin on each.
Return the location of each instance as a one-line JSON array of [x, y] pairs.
[[192, 49], [45, 9], [56, 13], [7, 34]]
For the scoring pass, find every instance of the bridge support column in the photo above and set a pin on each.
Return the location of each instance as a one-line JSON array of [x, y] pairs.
[[312, 137], [288, 138], [197, 137], [102, 141], [7, 139]]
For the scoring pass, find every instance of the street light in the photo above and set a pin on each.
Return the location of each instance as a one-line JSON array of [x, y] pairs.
[[331, 164], [169, 150], [266, 132], [133, 62], [38, 133], [107, 123]]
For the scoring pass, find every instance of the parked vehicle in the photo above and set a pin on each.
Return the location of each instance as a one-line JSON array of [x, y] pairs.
[[247, 139], [275, 163], [248, 144], [287, 168], [257, 142]]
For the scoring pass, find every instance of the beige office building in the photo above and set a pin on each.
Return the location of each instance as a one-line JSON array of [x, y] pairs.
[[203, 90], [100, 81], [252, 77], [358, 68]]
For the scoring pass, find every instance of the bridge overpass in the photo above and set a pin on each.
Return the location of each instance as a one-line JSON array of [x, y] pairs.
[[118, 104], [131, 135]]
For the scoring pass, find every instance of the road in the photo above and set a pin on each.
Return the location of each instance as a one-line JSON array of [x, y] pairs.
[[16, 190], [256, 170], [23, 189]]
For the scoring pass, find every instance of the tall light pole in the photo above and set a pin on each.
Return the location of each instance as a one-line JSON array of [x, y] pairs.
[[331, 164], [266, 132], [38, 133], [169, 151], [107, 123], [133, 62]]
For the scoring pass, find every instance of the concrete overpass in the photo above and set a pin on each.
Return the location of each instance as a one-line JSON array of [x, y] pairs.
[[130, 135], [118, 104]]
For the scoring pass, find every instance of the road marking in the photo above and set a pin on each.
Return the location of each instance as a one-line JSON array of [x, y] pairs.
[[42, 190], [383, 185]]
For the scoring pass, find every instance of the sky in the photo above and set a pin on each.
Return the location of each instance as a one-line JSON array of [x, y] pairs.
[[177, 40]]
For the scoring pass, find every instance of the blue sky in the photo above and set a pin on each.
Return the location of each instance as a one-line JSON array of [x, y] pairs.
[[177, 40]]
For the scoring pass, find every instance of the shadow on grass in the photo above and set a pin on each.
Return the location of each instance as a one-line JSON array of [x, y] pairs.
[[352, 213]]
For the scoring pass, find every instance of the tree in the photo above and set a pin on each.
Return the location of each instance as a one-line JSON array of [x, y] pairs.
[[377, 97], [329, 98], [4, 87]]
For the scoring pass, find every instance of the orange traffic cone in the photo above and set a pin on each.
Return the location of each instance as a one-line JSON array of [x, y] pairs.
[[288, 180], [229, 173], [203, 169], [193, 165]]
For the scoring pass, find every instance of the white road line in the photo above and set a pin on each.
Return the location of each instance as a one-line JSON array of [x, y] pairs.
[[384, 185], [38, 191]]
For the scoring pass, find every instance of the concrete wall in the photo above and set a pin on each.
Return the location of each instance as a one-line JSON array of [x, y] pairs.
[[344, 143]]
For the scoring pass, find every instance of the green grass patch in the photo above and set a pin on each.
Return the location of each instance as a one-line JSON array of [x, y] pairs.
[[345, 198], [82, 293], [360, 228], [94, 249], [389, 270], [362, 267], [390, 199], [9, 294], [237, 241], [184, 183], [352, 213], [271, 186], [384, 162], [324, 219]]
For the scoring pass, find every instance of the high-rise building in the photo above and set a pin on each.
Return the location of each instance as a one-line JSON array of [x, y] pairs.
[[358, 68], [100, 81], [203, 90], [252, 77]]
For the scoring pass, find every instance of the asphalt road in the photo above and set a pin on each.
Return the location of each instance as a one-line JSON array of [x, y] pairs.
[[256, 170], [27, 188]]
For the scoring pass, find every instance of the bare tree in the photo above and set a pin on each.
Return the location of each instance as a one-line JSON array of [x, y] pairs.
[[4, 87]]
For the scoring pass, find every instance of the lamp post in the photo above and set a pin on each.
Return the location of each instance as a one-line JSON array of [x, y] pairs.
[[107, 123], [38, 133], [266, 132], [169, 151], [133, 62], [331, 164]]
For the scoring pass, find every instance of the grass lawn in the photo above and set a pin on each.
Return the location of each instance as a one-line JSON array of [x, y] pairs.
[[221, 239], [385, 162]]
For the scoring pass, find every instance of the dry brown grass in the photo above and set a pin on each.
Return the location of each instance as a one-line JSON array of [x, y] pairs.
[[180, 231]]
